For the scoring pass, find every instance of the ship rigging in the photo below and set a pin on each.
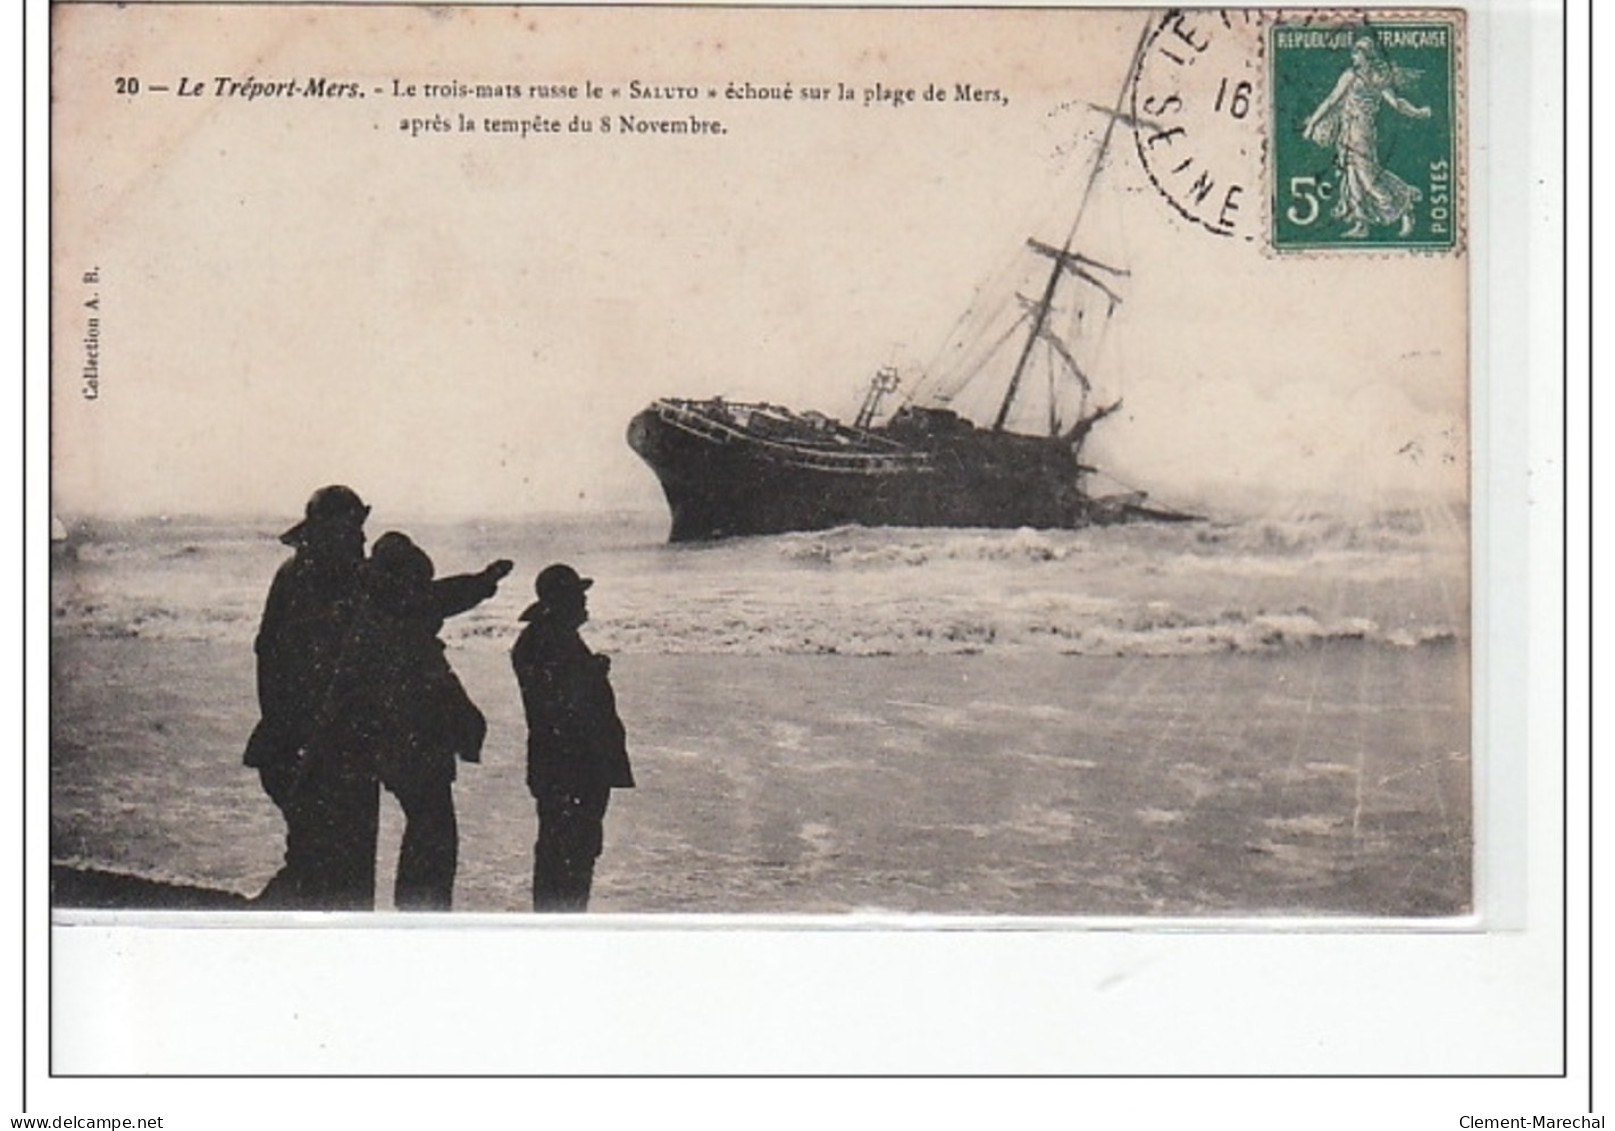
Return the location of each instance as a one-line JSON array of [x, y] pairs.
[[730, 468]]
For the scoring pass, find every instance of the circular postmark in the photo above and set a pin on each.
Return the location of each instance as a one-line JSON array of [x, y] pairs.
[[1197, 114]]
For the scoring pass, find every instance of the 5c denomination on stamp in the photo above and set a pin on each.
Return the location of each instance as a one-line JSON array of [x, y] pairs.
[[1363, 134]]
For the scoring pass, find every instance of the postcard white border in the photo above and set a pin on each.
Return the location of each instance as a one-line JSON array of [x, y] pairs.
[[1140, 1000]]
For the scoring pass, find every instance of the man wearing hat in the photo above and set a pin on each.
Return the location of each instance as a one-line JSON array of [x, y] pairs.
[[307, 617], [576, 750], [397, 712]]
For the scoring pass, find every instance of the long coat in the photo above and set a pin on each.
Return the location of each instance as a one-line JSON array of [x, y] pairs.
[[395, 707], [307, 619], [575, 739]]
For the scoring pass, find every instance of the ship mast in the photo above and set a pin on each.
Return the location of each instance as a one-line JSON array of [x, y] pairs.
[[1064, 258]]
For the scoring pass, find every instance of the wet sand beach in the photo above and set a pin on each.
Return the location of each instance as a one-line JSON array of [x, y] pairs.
[[1325, 780]]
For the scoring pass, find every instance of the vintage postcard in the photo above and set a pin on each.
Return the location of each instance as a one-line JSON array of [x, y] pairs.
[[876, 540], [721, 461], [724, 540]]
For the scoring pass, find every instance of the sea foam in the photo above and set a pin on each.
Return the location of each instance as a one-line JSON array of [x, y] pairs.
[[1395, 580]]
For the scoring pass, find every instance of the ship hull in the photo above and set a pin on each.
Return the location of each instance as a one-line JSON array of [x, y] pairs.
[[721, 483]]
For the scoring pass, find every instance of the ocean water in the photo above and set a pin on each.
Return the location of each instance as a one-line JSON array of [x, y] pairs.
[[1226, 717], [1393, 579]]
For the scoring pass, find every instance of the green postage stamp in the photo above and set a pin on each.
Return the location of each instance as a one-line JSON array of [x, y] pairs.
[[1363, 148]]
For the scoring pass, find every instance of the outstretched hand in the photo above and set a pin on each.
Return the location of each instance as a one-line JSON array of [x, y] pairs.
[[499, 570]]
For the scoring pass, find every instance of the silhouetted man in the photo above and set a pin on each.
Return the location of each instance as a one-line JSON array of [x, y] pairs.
[[331, 813], [398, 712], [576, 749]]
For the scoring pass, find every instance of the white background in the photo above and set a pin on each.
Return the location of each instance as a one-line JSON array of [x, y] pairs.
[[679, 1000]]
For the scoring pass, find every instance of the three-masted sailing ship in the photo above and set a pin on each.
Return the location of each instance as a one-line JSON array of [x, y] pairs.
[[735, 468]]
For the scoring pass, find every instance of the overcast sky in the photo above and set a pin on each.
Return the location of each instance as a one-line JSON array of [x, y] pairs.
[[293, 292]]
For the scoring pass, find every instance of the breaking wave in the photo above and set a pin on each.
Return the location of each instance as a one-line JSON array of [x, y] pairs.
[[1397, 579], [1120, 632]]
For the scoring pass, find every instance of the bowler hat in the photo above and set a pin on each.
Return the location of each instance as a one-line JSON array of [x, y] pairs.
[[559, 581], [328, 504]]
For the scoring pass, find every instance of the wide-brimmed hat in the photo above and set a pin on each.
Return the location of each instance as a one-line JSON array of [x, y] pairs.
[[335, 503]]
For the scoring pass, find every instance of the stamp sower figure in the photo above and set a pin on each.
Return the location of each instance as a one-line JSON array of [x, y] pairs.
[[306, 621], [576, 750], [397, 711], [1369, 193]]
